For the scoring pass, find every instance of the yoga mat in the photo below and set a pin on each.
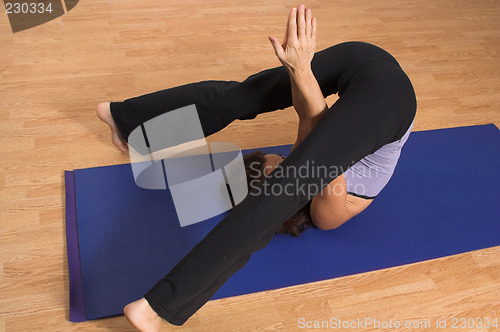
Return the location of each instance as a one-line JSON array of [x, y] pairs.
[[442, 200]]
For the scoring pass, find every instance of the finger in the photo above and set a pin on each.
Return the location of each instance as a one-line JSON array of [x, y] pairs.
[[292, 25], [308, 24], [278, 49], [301, 22], [313, 31], [285, 39]]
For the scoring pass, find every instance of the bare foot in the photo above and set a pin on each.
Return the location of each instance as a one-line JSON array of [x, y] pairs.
[[142, 316], [104, 113]]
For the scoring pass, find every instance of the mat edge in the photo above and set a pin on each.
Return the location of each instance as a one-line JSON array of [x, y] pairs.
[[76, 294]]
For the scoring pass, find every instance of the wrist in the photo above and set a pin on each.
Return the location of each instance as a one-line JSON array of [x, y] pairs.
[[301, 73], [303, 79]]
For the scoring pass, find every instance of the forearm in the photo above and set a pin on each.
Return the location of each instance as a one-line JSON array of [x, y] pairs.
[[308, 101]]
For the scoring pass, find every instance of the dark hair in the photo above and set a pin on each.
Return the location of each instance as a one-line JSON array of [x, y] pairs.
[[300, 220]]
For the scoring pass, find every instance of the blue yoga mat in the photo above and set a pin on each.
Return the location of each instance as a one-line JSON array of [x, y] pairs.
[[442, 200]]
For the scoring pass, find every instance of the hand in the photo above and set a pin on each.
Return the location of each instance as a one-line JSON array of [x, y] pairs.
[[297, 50]]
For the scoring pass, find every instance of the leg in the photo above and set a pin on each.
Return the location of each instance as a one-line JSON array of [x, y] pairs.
[[221, 102], [376, 107], [218, 102]]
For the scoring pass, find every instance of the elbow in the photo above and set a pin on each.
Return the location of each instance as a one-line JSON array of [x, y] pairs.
[[326, 224], [328, 213]]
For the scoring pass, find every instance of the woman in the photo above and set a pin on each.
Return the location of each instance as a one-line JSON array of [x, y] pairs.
[[358, 139]]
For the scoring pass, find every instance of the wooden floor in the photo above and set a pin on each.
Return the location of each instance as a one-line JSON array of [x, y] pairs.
[[52, 76]]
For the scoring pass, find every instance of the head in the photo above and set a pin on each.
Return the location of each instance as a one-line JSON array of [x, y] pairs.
[[258, 166]]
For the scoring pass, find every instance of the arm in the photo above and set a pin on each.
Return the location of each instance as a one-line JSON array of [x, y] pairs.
[[328, 209], [296, 54], [331, 208], [308, 101]]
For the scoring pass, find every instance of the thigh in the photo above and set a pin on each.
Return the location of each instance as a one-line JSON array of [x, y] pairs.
[[335, 66]]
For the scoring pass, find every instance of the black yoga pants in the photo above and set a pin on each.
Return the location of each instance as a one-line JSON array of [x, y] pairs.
[[376, 106]]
